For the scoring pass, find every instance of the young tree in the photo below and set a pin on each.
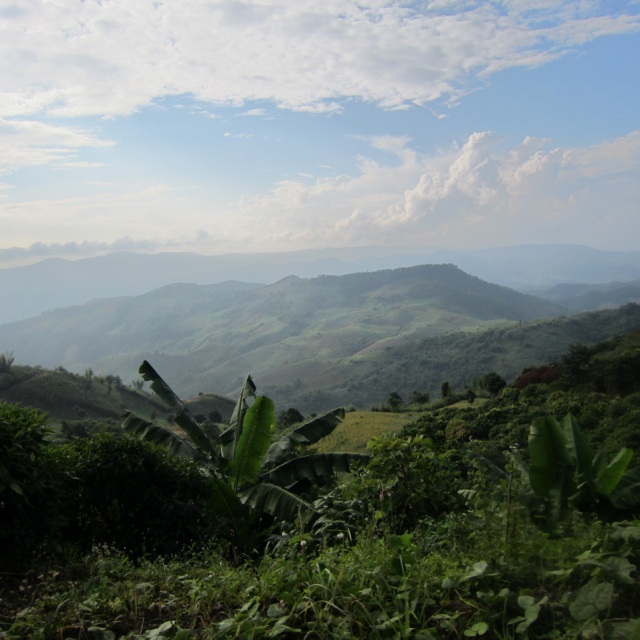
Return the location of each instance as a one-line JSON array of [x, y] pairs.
[[395, 401], [493, 383]]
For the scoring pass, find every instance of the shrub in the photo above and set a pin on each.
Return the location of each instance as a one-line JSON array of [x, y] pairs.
[[410, 480], [132, 495], [27, 501]]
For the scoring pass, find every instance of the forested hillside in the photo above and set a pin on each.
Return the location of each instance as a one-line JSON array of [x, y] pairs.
[[208, 338], [510, 512]]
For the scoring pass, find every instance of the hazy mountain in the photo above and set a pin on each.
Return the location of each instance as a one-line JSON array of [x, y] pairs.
[[52, 283], [585, 297], [208, 337]]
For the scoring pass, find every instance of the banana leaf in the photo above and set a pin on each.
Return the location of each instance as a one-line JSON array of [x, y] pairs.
[[548, 455], [230, 437], [278, 502], [159, 435], [183, 417], [225, 502], [626, 495], [314, 467], [308, 433], [610, 476], [577, 447], [254, 441]]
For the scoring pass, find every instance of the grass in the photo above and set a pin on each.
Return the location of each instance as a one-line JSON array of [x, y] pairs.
[[359, 427]]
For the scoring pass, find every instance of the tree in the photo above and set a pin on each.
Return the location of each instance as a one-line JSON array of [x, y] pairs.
[[28, 504], [289, 417], [249, 480], [394, 401], [6, 360], [575, 363], [445, 389], [420, 397], [493, 383]]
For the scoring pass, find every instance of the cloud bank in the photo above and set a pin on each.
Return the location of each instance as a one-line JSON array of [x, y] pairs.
[[531, 192], [483, 188], [95, 57]]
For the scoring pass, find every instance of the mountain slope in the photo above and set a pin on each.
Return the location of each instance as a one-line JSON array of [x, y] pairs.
[[209, 338], [30, 290]]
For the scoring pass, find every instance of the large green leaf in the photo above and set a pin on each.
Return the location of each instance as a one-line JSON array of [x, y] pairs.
[[160, 435], [280, 503], [548, 456], [626, 495], [314, 467], [224, 502], [229, 438], [183, 417], [577, 447], [254, 441], [609, 477], [308, 433]]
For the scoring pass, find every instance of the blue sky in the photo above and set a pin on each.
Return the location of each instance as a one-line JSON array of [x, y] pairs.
[[220, 127]]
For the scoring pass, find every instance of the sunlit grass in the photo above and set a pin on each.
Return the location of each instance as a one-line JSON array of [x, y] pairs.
[[359, 427]]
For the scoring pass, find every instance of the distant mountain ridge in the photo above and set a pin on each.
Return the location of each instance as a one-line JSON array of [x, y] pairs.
[[54, 283], [210, 337]]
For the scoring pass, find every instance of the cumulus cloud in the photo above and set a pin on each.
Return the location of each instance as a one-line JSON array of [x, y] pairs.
[[112, 58], [484, 190], [483, 187]]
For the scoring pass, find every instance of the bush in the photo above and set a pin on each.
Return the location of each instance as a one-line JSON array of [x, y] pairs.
[[133, 496], [409, 480], [28, 506]]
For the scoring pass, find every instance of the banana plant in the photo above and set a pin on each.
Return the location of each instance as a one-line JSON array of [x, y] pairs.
[[249, 476], [563, 471]]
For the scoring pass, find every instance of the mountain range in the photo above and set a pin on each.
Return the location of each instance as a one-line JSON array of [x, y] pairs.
[[30, 290], [324, 340]]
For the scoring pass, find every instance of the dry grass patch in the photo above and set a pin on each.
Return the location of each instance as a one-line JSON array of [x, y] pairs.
[[359, 427]]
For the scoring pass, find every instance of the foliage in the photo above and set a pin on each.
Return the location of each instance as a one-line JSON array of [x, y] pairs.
[[288, 418], [27, 504], [583, 585], [564, 470], [434, 538], [6, 360], [407, 480], [132, 496], [250, 474]]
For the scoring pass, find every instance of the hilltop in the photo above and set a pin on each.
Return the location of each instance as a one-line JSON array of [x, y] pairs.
[[207, 339], [55, 283]]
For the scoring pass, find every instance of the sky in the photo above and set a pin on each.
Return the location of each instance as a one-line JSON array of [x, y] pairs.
[[276, 125]]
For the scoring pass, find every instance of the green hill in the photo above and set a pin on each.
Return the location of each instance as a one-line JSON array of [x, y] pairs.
[[296, 329], [81, 400]]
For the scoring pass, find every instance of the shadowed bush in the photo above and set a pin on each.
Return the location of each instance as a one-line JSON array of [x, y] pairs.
[[132, 495]]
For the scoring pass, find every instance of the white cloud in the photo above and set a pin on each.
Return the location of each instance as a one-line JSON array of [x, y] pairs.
[[32, 143], [252, 113], [145, 214], [484, 188], [483, 191], [110, 58]]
